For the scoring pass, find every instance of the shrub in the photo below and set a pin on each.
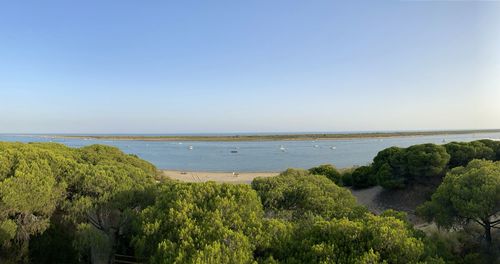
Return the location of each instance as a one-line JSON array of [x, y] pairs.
[[329, 171], [363, 177]]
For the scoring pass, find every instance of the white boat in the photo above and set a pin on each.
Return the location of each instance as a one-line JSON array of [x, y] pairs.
[[316, 146], [333, 147], [190, 147]]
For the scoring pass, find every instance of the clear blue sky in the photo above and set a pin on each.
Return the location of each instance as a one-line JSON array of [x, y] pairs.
[[234, 66]]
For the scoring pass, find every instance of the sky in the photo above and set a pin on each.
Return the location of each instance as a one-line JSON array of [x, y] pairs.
[[248, 66]]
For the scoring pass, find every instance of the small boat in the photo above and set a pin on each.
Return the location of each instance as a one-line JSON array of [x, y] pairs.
[[333, 147], [282, 148], [316, 146], [234, 151], [190, 147]]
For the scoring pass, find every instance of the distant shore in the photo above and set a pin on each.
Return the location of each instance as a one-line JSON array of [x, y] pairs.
[[227, 177], [276, 137]]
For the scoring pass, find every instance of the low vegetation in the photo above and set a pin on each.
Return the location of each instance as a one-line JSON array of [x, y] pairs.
[[264, 137], [85, 205]]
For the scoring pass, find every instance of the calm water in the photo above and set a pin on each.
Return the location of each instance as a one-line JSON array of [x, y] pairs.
[[257, 156]]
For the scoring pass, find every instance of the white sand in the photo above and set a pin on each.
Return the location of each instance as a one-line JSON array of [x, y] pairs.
[[228, 177]]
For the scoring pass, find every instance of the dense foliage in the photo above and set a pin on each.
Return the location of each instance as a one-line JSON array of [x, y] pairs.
[[463, 152], [397, 167], [329, 171], [470, 193], [425, 164], [362, 177], [85, 190], [200, 223], [369, 239], [303, 218], [83, 205], [294, 193]]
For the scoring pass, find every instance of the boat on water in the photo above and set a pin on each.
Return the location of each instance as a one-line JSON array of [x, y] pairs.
[[333, 147], [190, 147], [234, 151]]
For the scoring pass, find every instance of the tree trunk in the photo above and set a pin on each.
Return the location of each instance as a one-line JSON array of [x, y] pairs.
[[487, 232]]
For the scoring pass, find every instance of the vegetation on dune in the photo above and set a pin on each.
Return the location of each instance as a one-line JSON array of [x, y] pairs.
[[468, 197], [362, 177], [418, 164], [329, 171], [87, 191], [424, 164], [67, 205], [295, 193], [309, 219], [200, 223], [342, 240], [468, 194], [463, 152], [271, 137]]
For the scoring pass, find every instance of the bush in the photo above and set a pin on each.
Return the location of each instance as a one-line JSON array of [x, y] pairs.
[[369, 239], [329, 171], [346, 176], [295, 193], [461, 153], [423, 164], [200, 223], [363, 177]]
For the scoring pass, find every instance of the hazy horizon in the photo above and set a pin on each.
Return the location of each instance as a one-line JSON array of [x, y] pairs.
[[255, 67]]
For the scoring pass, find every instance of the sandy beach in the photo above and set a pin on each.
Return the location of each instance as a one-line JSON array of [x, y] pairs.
[[227, 177]]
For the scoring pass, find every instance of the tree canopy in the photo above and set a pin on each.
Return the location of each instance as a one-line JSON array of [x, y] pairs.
[[82, 205], [470, 193], [398, 167], [200, 223], [461, 153], [294, 193], [40, 182], [329, 171]]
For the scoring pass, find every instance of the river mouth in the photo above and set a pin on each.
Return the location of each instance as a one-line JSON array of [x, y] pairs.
[[255, 156]]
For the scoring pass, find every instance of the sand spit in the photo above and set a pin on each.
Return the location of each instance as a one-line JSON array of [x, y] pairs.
[[227, 177]]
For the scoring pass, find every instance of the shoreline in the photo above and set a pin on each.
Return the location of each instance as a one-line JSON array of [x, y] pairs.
[[274, 137], [220, 177]]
